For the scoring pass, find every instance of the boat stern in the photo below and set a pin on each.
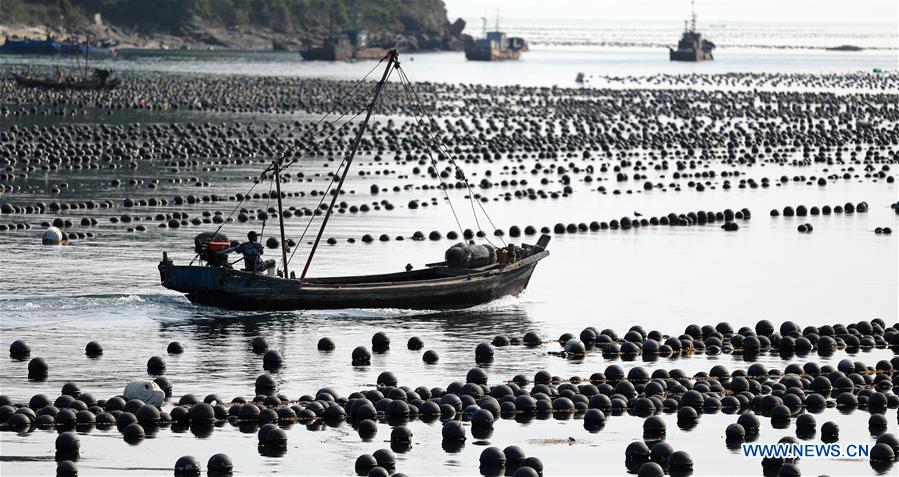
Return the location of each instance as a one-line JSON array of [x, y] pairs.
[[186, 278]]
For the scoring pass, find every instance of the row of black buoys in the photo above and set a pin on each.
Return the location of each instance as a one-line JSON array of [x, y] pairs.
[[883, 231], [494, 461], [802, 211]]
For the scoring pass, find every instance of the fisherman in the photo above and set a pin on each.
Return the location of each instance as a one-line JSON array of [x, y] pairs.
[[252, 254]]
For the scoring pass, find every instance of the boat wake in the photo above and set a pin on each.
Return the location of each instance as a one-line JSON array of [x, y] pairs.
[[23, 310]]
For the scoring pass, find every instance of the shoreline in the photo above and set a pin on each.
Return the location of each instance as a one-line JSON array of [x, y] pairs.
[[202, 38]]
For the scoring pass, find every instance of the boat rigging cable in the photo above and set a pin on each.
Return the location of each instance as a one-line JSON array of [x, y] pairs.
[[307, 141], [420, 117], [460, 175], [392, 63]]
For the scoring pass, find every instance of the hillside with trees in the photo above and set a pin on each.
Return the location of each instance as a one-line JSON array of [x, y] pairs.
[[247, 24]]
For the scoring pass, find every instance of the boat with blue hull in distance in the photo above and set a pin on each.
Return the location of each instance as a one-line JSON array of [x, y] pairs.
[[50, 46], [471, 273]]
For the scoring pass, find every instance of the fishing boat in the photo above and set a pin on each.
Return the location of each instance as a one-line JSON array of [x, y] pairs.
[[50, 46], [471, 274], [99, 81], [351, 45], [692, 46], [495, 46]]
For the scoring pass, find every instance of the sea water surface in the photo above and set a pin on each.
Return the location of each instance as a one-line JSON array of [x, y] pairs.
[[107, 289]]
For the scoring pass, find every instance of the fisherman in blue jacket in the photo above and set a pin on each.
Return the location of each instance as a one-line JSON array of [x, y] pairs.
[[252, 254]]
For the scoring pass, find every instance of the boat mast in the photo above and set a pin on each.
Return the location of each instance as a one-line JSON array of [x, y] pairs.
[[87, 43], [693, 15], [391, 62], [281, 215]]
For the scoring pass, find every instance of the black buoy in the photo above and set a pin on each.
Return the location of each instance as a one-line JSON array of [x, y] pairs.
[[380, 341], [156, 365], [66, 468], [680, 461], [453, 431], [735, 432], [367, 428], [19, 349], [175, 348], [93, 349], [276, 438], [385, 458], [387, 378], [67, 443], [650, 469], [492, 456], [881, 452], [484, 352], [430, 356], [37, 369], [415, 343], [272, 359], [325, 344], [636, 451], [364, 463], [187, 466], [400, 435], [219, 465], [525, 472], [260, 345], [361, 356]]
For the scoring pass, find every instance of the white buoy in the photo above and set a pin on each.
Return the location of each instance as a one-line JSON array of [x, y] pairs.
[[145, 390], [53, 236]]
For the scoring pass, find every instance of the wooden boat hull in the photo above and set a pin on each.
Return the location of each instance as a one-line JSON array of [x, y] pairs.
[[438, 288], [51, 47], [84, 85], [480, 54], [689, 55]]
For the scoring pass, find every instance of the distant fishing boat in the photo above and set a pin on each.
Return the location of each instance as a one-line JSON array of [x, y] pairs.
[[495, 46], [345, 46], [845, 48], [100, 81], [351, 45], [692, 46], [51, 46], [471, 274]]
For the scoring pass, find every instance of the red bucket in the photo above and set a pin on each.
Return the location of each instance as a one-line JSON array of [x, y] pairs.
[[217, 246]]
